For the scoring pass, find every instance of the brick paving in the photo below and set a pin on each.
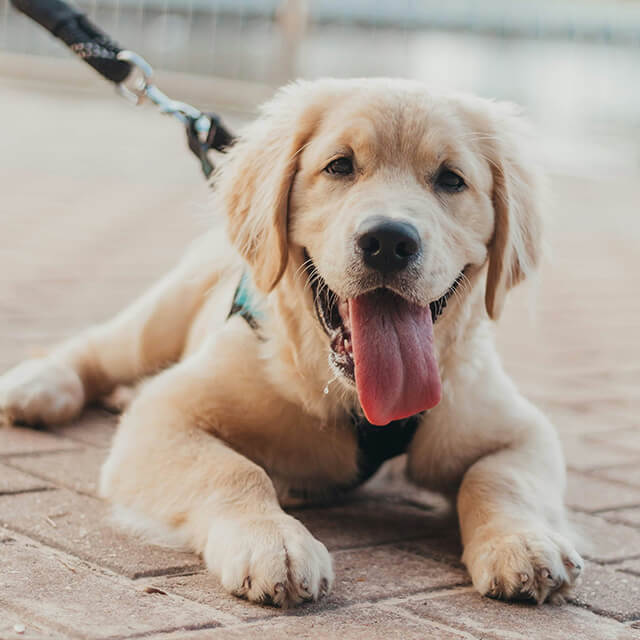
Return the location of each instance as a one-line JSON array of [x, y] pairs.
[[76, 247]]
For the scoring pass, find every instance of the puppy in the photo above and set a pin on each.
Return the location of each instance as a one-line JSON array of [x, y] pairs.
[[373, 231]]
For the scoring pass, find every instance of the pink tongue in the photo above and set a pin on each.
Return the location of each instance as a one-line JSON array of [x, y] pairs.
[[395, 366]]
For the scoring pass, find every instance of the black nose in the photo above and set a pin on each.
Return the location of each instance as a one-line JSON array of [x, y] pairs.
[[387, 245]]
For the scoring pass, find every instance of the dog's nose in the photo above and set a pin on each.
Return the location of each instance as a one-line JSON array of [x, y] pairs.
[[387, 245]]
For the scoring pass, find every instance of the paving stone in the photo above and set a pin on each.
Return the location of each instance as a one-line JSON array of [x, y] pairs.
[[14, 481], [361, 575], [80, 525], [73, 598], [584, 455], [608, 592], [94, 427], [488, 619], [591, 494], [23, 440], [629, 474], [605, 541], [77, 470], [366, 523], [354, 623], [629, 516]]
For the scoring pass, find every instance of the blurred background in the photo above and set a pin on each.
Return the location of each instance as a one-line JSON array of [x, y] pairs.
[[574, 64]]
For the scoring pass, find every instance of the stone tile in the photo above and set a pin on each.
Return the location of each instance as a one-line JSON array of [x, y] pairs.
[[362, 575], [80, 525], [14, 481], [591, 494], [629, 474], [80, 602], [629, 516], [608, 592], [354, 623], [77, 470], [484, 618], [94, 427], [583, 455], [389, 571], [365, 523], [23, 440], [604, 541]]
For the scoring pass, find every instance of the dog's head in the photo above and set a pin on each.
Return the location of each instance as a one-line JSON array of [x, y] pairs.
[[391, 202]]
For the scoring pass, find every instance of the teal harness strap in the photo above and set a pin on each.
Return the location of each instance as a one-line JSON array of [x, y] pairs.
[[242, 304]]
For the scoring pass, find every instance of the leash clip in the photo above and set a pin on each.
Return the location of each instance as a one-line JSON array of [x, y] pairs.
[[133, 88], [204, 131]]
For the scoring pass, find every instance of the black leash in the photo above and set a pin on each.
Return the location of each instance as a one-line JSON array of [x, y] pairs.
[[128, 71]]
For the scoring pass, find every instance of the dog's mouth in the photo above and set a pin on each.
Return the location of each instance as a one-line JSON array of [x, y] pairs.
[[383, 344]]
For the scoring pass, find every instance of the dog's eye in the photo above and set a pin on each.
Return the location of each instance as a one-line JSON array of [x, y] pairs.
[[340, 166], [448, 180]]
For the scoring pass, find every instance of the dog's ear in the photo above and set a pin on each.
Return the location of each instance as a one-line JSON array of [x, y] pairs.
[[255, 180], [516, 246]]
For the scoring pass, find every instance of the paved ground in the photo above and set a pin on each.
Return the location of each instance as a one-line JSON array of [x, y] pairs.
[[92, 193]]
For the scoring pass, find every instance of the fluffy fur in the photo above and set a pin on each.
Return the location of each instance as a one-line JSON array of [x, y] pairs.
[[233, 421]]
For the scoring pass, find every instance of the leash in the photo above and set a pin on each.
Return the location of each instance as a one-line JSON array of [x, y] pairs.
[[130, 73]]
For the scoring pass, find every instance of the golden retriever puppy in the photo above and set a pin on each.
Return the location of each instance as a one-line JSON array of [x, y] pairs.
[[373, 230]]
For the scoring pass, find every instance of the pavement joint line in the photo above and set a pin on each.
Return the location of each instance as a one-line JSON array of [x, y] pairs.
[[183, 629], [618, 508], [598, 512], [20, 491], [401, 611], [37, 454], [602, 612]]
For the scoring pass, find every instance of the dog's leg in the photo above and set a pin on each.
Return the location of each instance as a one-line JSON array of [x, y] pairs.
[[508, 463], [169, 464], [140, 340]]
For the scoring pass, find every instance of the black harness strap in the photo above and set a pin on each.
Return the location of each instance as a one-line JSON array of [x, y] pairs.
[[378, 444]]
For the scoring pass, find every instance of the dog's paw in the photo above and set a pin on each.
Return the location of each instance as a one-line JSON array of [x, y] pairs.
[[40, 392], [523, 565], [269, 559]]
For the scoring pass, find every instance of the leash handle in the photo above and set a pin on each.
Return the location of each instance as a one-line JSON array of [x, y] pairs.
[[83, 38]]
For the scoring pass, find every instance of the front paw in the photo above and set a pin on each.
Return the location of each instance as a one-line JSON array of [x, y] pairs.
[[269, 559], [524, 564], [40, 392]]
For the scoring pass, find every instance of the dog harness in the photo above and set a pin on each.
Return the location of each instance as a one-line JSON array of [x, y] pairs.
[[376, 444]]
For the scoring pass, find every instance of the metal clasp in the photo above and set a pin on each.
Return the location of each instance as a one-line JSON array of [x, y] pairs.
[[138, 87]]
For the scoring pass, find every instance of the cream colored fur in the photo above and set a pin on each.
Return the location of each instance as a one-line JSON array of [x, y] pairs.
[[233, 420]]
